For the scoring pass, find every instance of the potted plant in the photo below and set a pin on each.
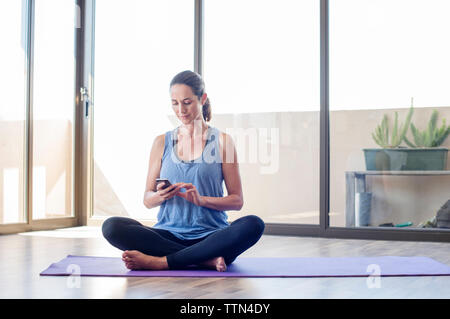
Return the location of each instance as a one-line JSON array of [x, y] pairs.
[[424, 153], [427, 154], [391, 156]]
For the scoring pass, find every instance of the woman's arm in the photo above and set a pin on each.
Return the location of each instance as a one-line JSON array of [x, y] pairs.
[[154, 197], [230, 170]]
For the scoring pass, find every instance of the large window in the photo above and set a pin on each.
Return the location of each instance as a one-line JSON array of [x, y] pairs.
[[266, 66], [139, 46], [261, 71], [37, 86], [12, 111], [263, 66], [53, 108], [384, 57]]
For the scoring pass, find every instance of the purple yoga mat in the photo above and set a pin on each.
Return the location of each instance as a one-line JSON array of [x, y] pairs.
[[262, 267]]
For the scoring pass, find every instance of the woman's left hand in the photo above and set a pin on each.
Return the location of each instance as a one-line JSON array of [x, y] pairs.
[[192, 195]]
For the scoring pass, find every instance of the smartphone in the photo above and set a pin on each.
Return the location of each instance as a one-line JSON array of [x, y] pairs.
[[163, 180]]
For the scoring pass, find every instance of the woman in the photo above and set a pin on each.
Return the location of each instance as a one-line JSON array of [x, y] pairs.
[[192, 227]]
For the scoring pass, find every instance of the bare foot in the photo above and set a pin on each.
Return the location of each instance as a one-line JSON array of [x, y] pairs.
[[217, 263], [136, 260]]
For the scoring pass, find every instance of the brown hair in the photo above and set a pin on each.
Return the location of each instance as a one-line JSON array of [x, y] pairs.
[[195, 82]]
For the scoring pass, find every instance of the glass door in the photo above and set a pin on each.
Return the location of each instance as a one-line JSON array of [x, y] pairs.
[[13, 32], [394, 76], [262, 72], [139, 46], [37, 85], [53, 109]]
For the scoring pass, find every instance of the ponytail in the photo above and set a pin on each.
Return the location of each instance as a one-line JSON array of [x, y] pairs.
[[206, 110]]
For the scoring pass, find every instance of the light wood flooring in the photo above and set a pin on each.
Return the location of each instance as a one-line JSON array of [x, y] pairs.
[[24, 256]]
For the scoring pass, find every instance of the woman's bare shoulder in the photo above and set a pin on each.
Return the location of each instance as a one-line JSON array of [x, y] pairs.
[[227, 147], [160, 139], [158, 144], [225, 139]]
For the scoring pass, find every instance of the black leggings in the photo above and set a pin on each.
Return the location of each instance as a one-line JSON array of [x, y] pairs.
[[128, 234]]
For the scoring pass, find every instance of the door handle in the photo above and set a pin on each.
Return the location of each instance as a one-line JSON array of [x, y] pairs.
[[85, 98]]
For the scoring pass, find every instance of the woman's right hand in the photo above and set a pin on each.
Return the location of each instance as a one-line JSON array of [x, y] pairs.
[[169, 192]]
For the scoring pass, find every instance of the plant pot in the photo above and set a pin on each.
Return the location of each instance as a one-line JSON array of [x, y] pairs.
[[406, 159]]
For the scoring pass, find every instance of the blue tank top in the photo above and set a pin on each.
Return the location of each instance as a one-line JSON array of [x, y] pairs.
[[182, 218]]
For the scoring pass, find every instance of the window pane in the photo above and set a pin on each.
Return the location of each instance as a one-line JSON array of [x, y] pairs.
[[384, 57], [261, 72], [139, 46], [53, 108], [12, 110]]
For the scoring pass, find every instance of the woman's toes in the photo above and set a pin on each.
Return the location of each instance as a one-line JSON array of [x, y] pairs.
[[134, 254], [131, 265], [135, 259], [221, 268], [220, 265]]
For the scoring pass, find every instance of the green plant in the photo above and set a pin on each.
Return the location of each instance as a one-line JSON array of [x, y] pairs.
[[381, 134], [432, 136]]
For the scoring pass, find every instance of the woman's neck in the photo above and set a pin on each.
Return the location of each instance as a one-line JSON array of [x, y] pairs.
[[196, 129]]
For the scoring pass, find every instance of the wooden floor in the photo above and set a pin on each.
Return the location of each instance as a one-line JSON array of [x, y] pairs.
[[24, 256]]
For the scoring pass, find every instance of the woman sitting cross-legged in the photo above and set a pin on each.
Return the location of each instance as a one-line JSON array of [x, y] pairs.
[[192, 227]]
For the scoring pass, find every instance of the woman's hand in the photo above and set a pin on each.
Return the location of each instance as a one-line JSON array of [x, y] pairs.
[[192, 195], [169, 192]]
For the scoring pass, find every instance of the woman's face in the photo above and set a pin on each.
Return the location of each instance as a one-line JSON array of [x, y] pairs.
[[185, 103]]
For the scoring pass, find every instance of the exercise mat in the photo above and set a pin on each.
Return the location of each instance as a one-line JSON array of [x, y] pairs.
[[261, 267]]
